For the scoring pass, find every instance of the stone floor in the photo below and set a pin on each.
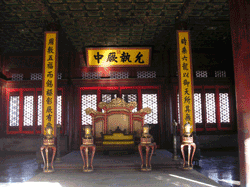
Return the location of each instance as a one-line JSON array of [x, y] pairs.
[[17, 167], [216, 168]]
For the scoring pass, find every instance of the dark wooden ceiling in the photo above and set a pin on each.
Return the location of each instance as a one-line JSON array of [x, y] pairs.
[[85, 23]]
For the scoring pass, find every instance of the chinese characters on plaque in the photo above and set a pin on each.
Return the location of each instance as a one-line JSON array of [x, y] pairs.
[[49, 80], [118, 56], [185, 78]]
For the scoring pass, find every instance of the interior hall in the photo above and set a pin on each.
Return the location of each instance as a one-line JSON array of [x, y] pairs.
[[118, 69]]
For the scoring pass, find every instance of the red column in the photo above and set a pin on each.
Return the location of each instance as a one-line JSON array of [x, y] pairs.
[[240, 31]]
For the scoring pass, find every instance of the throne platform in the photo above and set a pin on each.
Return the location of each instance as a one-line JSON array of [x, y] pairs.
[[162, 159]]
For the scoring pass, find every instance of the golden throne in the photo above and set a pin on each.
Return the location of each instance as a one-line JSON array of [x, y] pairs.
[[117, 126]]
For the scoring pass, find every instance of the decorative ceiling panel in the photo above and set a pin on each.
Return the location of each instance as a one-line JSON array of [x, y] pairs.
[[86, 23], [24, 15], [125, 1], [208, 13], [55, 1], [141, 6], [109, 13], [92, 6], [223, 13], [159, 1], [215, 6], [108, 1], [201, 6], [176, 1], [204, 1], [73, 1], [157, 6], [77, 13], [155, 13], [108, 6], [11, 2], [141, 1], [140, 13], [170, 12], [94, 13], [16, 8], [195, 13], [40, 15], [33, 8], [90, 1], [136, 33], [173, 6], [220, 1], [59, 7], [125, 6], [76, 6], [28, 1]]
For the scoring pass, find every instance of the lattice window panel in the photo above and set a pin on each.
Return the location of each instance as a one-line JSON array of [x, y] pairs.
[[91, 75], [28, 111], [201, 74], [88, 101], [197, 108], [39, 76], [146, 74], [14, 111], [59, 75], [36, 76], [17, 77], [220, 74], [119, 75], [150, 100], [224, 108], [210, 107], [108, 97], [130, 98], [39, 110], [59, 110]]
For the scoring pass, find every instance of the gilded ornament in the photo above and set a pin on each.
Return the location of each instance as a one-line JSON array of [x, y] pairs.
[[117, 102], [145, 110], [92, 111]]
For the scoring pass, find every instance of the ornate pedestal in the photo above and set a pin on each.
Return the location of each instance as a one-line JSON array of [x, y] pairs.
[[188, 141], [147, 146], [87, 143], [48, 143]]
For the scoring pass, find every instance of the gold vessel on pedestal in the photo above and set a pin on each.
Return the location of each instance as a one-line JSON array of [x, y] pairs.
[[146, 141], [48, 142], [87, 143], [188, 140]]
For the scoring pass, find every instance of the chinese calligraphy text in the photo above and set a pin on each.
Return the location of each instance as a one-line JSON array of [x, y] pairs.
[[49, 80], [185, 78], [106, 57]]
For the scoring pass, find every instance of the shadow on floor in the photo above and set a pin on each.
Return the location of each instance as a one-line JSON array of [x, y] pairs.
[[220, 165]]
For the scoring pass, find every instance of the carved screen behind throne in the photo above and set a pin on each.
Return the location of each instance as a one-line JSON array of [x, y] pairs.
[[99, 128], [117, 113], [115, 120]]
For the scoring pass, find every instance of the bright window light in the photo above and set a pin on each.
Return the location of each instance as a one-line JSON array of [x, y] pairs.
[[31, 184], [205, 184]]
